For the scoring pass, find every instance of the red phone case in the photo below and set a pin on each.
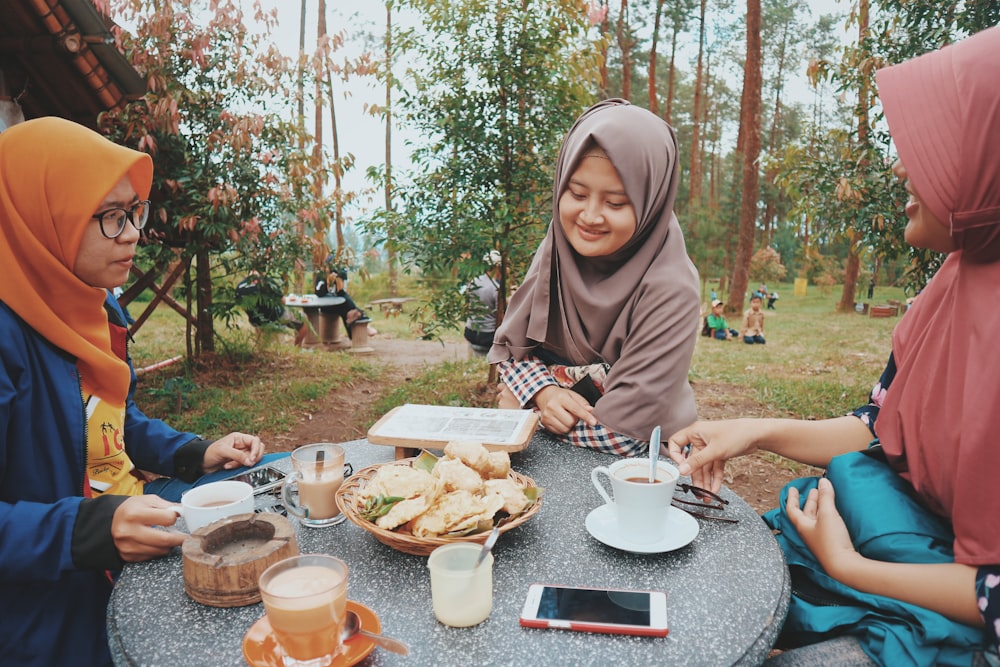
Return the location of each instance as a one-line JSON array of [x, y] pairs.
[[594, 627]]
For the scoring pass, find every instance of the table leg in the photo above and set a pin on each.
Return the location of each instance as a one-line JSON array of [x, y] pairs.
[[311, 339], [329, 329]]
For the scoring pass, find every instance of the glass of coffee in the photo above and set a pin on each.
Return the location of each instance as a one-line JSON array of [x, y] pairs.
[[318, 471]]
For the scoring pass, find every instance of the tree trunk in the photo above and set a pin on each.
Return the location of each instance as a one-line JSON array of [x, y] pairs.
[[206, 339], [671, 77], [750, 130], [300, 228], [604, 51], [767, 234], [694, 192], [625, 44], [391, 236], [338, 173], [853, 267], [319, 230], [654, 105]]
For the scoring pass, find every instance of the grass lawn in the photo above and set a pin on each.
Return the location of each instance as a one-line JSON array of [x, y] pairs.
[[817, 363]]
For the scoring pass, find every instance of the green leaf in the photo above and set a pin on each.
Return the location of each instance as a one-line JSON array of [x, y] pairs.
[[426, 461]]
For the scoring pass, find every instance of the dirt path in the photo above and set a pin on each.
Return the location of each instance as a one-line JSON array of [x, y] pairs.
[[756, 478]]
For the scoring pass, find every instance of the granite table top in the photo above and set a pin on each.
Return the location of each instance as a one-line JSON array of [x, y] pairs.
[[728, 590]]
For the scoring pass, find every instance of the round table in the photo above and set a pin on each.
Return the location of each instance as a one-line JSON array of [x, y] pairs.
[[728, 590]]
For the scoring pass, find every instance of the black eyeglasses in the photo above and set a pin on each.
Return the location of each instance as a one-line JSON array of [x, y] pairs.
[[706, 500], [115, 218]]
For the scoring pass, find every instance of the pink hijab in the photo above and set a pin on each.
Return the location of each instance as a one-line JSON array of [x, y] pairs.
[[637, 309], [940, 423]]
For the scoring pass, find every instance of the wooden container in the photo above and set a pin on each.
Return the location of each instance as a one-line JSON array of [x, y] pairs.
[[223, 560]]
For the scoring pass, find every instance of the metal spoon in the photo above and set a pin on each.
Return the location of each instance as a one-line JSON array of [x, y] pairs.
[[352, 627], [654, 453], [487, 545]]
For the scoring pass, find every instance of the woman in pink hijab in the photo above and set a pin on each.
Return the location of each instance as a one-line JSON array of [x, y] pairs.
[[600, 334], [904, 559]]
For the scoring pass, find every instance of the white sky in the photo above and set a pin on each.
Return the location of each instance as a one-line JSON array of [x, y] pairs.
[[364, 135]]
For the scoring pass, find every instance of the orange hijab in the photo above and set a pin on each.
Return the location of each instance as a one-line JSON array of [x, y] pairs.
[[53, 175]]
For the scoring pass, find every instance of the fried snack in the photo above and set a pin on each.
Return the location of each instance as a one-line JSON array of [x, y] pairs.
[[514, 500], [403, 511], [456, 512], [468, 485], [457, 476], [497, 465], [401, 481], [472, 454]]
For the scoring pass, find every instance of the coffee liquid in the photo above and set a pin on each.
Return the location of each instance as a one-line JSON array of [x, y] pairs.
[[217, 503], [643, 480]]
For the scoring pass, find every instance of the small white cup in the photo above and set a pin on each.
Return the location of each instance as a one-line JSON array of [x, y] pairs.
[[204, 504], [641, 507], [462, 594]]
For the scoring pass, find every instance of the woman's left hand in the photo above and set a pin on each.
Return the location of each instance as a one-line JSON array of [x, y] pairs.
[[233, 451], [821, 526]]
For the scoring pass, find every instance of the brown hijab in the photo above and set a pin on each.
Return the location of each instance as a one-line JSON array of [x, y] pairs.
[[637, 309]]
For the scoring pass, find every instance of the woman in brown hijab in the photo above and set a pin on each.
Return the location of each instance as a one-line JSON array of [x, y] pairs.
[[599, 337]]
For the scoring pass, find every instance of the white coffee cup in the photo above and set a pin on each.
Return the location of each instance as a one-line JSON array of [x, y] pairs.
[[641, 507], [202, 505]]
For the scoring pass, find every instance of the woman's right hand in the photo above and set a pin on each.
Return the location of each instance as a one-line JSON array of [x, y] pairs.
[[702, 449], [560, 409], [135, 532]]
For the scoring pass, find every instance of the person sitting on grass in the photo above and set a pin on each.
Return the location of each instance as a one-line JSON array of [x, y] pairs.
[[753, 323], [895, 552], [718, 328]]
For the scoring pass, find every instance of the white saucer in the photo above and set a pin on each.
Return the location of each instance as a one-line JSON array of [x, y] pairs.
[[682, 528]]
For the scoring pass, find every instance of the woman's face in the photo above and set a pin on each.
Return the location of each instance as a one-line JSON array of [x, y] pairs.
[[923, 229], [104, 262], [594, 212]]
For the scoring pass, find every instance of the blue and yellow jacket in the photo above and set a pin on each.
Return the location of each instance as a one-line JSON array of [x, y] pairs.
[[55, 544]]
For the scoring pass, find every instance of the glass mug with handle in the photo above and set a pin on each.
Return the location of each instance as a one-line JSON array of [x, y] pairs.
[[318, 471]]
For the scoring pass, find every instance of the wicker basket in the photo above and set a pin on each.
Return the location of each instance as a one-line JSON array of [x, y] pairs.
[[348, 499]]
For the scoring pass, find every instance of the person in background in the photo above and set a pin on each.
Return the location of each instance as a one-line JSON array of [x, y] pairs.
[[895, 552], [716, 323], [74, 503], [482, 324], [599, 336], [334, 283], [260, 297], [753, 323]]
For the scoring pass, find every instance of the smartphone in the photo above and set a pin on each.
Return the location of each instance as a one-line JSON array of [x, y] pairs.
[[263, 479], [615, 611]]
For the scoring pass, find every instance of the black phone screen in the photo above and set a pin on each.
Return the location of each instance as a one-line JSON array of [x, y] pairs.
[[594, 606]]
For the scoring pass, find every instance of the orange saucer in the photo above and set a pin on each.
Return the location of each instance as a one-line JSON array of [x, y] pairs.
[[260, 647]]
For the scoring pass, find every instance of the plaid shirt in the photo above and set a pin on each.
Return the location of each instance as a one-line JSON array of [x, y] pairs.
[[526, 378]]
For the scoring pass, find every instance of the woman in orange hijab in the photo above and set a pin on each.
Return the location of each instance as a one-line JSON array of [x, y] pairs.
[[904, 560], [73, 503]]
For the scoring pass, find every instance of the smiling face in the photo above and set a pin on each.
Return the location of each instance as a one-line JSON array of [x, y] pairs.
[[104, 262], [594, 212], [923, 229]]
